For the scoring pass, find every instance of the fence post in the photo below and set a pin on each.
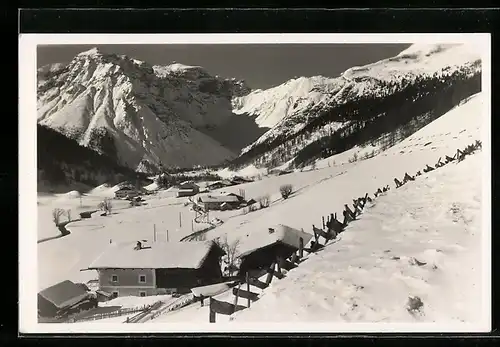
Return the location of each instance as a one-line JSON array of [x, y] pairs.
[[323, 221], [270, 273], [236, 298], [248, 287], [301, 248], [211, 317]]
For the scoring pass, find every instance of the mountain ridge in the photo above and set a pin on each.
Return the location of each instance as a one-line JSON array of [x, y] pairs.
[[151, 117]]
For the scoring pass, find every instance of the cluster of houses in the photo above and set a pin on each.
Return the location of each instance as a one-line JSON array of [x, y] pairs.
[[228, 182], [189, 188]]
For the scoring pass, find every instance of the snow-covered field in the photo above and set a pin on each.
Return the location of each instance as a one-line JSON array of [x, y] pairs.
[[354, 279], [422, 240]]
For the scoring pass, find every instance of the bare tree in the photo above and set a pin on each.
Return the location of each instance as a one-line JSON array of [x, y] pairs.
[[286, 190], [68, 214], [313, 166], [106, 206], [56, 215], [264, 201], [230, 259]]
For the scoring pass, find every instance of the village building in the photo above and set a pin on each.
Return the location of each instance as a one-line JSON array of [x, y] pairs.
[[221, 184], [127, 192], [188, 188], [222, 202], [186, 192], [61, 297], [261, 248], [240, 180], [158, 268]]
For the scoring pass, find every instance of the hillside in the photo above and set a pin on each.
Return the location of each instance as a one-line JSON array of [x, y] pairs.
[[317, 117], [317, 193], [137, 113], [63, 164], [421, 240]]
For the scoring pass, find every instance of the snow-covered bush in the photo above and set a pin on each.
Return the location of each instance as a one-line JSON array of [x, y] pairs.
[[263, 201], [286, 190], [106, 206]]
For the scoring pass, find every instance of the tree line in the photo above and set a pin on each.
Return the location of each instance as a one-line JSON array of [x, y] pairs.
[[401, 108]]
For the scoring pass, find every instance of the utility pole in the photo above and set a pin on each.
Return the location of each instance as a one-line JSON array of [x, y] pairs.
[[154, 232], [167, 235], [180, 219]]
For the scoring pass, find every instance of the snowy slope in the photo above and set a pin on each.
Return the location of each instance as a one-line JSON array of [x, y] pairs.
[[317, 193], [149, 113], [371, 270], [271, 105], [416, 60], [421, 240]]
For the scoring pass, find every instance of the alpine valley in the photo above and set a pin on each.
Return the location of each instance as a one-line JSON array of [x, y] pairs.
[[106, 117]]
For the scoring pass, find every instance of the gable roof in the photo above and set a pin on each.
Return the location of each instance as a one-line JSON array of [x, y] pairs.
[[126, 188], [160, 255], [221, 198], [262, 238], [63, 294]]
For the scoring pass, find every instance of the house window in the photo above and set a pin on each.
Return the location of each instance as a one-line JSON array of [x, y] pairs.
[[114, 278], [142, 278], [142, 294], [115, 294]]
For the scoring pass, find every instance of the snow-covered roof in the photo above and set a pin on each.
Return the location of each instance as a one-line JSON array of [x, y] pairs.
[[222, 198], [263, 238], [161, 255], [63, 294]]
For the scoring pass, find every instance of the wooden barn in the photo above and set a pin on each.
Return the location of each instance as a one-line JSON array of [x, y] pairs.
[[158, 268], [127, 191], [210, 202], [189, 185], [261, 248], [186, 192], [61, 297], [188, 188]]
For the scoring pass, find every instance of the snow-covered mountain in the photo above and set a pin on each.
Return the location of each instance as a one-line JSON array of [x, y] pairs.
[[138, 113], [179, 115], [291, 107]]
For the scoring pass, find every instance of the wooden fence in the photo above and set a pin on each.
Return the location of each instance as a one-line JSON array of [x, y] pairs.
[[331, 228], [117, 313]]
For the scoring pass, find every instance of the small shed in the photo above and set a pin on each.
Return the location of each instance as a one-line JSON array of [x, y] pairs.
[[189, 185], [239, 197], [103, 296], [125, 192], [186, 192], [240, 180], [60, 296], [261, 248]]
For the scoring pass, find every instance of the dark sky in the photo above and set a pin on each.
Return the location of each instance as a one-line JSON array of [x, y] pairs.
[[261, 65]]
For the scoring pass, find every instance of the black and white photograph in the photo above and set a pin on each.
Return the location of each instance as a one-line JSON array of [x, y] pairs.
[[289, 182]]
